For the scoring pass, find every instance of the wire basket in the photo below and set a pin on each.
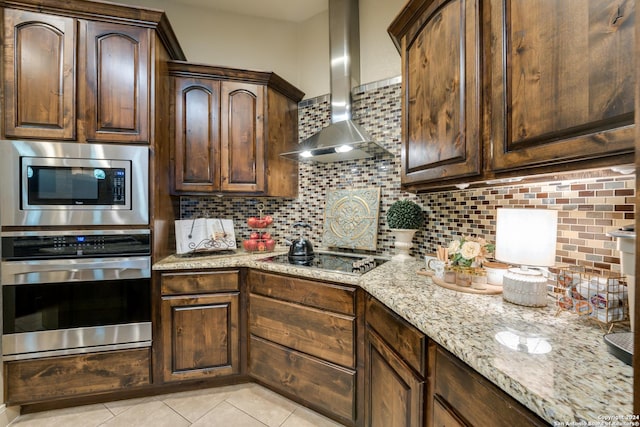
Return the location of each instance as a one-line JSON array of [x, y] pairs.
[[601, 296]]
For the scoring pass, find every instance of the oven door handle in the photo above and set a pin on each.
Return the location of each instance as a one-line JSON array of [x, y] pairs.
[[75, 270]]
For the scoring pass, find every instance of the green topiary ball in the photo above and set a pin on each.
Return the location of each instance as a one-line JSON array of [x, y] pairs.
[[405, 214]]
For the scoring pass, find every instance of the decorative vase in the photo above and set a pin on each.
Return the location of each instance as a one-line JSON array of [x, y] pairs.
[[403, 244], [463, 277]]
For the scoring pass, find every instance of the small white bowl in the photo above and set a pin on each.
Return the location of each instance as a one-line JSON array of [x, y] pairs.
[[495, 271]]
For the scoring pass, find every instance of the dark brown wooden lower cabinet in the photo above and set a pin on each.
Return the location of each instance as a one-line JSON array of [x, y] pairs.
[[200, 335], [395, 366], [74, 376], [200, 327], [322, 385], [305, 342], [394, 393]]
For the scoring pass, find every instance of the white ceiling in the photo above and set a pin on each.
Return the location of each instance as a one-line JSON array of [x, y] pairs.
[[288, 10]]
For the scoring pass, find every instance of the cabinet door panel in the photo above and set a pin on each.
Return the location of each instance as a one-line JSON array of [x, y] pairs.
[[116, 82], [563, 85], [395, 394], [242, 130], [441, 95], [443, 417], [197, 138], [39, 70], [200, 336]]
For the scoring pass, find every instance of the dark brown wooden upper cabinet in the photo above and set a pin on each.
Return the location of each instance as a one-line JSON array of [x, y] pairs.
[[114, 62], [68, 78], [439, 42], [39, 75], [562, 83], [243, 144], [229, 128], [197, 134], [512, 88]]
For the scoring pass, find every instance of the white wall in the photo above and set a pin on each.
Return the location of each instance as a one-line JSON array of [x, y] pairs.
[[298, 52], [231, 40], [312, 53], [379, 58]]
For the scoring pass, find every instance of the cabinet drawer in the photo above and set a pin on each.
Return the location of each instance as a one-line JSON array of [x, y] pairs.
[[406, 340], [338, 298], [473, 398], [324, 386], [41, 379], [323, 334], [199, 282]]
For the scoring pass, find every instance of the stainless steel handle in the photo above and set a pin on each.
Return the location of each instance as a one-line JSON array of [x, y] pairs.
[[75, 270]]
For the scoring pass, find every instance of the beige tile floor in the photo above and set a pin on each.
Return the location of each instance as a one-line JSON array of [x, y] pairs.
[[244, 405]]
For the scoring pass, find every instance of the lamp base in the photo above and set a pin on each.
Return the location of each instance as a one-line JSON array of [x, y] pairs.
[[524, 287]]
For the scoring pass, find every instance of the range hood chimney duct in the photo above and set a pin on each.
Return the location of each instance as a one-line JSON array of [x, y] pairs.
[[342, 139]]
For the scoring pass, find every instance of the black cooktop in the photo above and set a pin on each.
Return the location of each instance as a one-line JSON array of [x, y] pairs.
[[341, 263]]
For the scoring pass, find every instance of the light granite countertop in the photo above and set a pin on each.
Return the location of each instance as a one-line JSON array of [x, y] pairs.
[[577, 381]]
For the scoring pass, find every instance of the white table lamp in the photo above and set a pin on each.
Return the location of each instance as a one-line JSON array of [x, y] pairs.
[[526, 237]]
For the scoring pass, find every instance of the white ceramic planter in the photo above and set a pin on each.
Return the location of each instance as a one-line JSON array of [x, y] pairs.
[[403, 244]]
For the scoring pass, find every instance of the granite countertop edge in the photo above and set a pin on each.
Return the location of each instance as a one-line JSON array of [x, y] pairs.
[[578, 380]]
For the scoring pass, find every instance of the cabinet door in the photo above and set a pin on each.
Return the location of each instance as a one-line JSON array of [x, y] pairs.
[[443, 417], [39, 75], [394, 395], [242, 130], [562, 84], [115, 82], [200, 336], [197, 135], [441, 95]]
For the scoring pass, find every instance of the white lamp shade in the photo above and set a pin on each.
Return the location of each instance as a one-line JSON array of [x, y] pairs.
[[526, 236]]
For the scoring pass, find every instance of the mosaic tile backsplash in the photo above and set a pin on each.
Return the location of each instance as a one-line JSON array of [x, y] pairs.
[[588, 208]]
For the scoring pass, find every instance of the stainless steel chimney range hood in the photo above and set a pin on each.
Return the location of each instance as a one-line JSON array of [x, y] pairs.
[[343, 139]]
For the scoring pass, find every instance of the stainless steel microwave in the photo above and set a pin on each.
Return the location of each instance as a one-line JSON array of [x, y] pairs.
[[61, 183]]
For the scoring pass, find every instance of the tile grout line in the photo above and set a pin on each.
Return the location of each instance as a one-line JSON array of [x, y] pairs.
[[245, 412], [176, 412], [205, 414], [288, 416], [113, 415]]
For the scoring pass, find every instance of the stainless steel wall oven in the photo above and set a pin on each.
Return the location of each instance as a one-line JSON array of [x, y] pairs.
[[67, 292]]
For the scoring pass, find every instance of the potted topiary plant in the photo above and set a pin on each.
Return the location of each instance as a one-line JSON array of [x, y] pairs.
[[404, 217]]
